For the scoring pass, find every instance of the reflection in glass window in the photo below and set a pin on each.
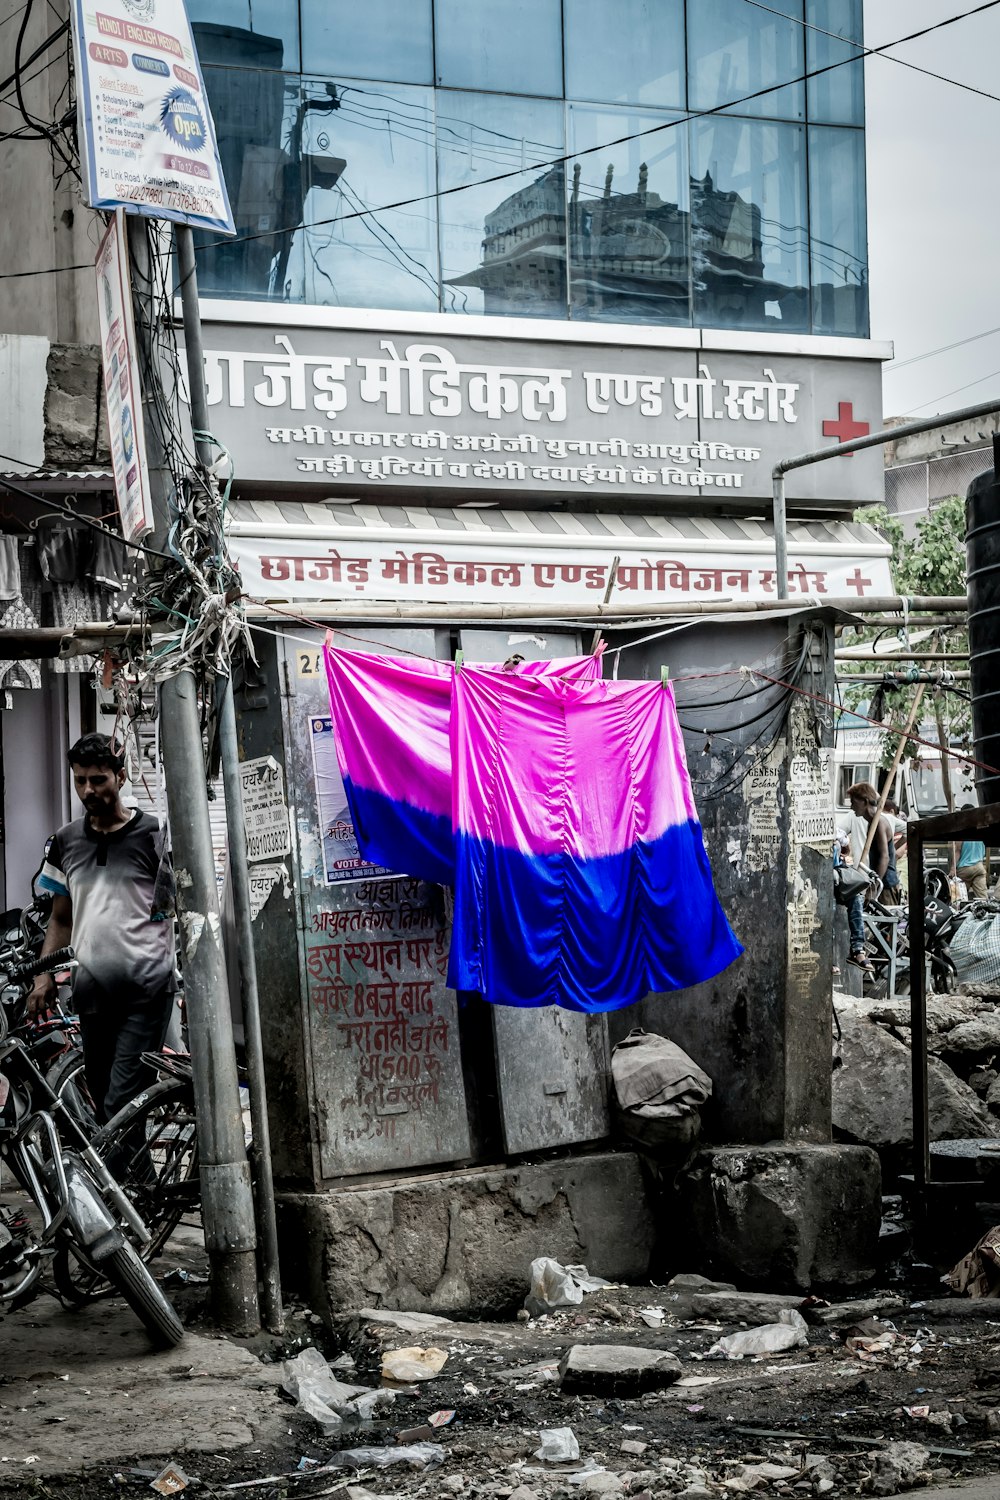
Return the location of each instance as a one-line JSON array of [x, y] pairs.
[[628, 219], [359, 147], [748, 225], [246, 33], [838, 97], [625, 51], [736, 49], [512, 46], [374, 39], [838, 238], [503, 245], [249, 107]]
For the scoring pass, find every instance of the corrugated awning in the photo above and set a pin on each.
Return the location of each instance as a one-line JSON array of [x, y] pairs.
[[336, 554]]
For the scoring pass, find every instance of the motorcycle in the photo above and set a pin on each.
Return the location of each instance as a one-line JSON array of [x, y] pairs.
[[81, 1210], [941, 922]]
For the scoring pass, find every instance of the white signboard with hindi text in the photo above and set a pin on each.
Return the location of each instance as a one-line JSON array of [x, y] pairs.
[[499, 418], [122, 396], [265, 811], [147, 135]]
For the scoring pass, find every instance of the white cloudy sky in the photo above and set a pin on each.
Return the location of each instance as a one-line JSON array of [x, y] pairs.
[[933, 168]]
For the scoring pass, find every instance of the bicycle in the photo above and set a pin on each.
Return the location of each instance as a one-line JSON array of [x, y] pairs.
[[86, 1217]]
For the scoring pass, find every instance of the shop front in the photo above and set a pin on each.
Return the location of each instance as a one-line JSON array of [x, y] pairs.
[[413, 491]]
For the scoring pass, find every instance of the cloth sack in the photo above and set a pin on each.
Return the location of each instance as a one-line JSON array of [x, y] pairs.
[[975, 947], [655, 1078]]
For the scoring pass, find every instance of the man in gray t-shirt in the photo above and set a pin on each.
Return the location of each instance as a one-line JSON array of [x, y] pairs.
[[102, 872]]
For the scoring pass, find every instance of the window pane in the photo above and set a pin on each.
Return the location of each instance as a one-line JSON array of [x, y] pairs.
[[838, 239], [748, 225], [736, 50], [372, 39], [625, 51], [250, 108], [360, 147], [503, 245], [837, 97], [512, 46], [241, 34], [628, 219]]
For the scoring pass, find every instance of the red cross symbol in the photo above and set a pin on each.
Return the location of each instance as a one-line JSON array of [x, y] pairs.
[[856, 580], [845, 426]]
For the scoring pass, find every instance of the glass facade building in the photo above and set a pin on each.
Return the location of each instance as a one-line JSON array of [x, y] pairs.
[[629, 161]]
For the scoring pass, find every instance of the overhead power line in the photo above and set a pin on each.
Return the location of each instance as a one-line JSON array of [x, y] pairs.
[[900, 364], [903, 62], [548, 163]]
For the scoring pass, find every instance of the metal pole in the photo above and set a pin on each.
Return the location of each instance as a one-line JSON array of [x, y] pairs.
[[224, 1173], [780, 534], [838, 450], [225, 708], [918, 1011]]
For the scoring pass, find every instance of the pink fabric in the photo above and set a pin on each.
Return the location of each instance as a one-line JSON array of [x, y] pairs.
[[539, 737]]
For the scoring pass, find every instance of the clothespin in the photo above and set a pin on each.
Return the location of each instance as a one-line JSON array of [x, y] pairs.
[[664, 676], [459, 657]]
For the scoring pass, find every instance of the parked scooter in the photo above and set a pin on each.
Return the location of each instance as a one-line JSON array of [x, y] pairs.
[[941, 922]]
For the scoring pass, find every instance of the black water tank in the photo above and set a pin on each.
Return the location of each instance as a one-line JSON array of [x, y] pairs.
[[982, 542]]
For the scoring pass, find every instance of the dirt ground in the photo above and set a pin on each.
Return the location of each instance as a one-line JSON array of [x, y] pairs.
[[87, 1410]]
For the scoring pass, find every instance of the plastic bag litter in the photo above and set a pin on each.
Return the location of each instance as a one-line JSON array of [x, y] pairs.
[[554, 1285], [413, 1363], [558, 1446], [790, 1332], [417, 1455], [309, 1380]]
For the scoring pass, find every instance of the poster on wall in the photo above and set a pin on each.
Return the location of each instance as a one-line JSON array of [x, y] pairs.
[[122, 397], [147, 135], [342, 859]]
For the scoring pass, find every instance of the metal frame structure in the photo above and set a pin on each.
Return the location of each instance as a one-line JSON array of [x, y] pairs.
[[944, 828]]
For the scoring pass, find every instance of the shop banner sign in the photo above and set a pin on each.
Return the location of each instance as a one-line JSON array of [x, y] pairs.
[[148, 138], [122, 398], [343, 410], [295, 570]]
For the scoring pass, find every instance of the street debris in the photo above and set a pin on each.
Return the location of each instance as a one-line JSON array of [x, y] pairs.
[[554, 1285], [309, 1380], [414, 1363], [790, 1332], [978, 1273], [170, 1481], [415, 1455], [897, 1467], [558, 1445]]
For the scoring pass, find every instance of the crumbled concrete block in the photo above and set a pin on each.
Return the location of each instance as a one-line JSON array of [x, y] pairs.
[[755, 1308], [617, 1369]]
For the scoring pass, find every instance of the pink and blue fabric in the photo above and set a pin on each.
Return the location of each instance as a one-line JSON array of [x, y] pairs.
[[392, 718], [581, 874]]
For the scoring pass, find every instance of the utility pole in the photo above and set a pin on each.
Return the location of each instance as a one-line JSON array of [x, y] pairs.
[[226, 1194]]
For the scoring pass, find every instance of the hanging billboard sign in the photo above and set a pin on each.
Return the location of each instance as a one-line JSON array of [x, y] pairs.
[[457, 414], [148, 138], [121, 383]]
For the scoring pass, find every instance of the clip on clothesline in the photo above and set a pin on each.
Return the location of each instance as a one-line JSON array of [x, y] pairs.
[[459, 658], [664, 676]]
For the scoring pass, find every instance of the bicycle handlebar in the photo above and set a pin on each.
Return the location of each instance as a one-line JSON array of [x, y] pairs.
[[59, 958]]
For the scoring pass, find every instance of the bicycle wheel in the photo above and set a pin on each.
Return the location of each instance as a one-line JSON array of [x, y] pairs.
[[67, 1078], [128, 1275], [151, 1147]]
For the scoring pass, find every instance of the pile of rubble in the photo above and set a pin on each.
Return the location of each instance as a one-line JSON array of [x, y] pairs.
[[871, 1069]]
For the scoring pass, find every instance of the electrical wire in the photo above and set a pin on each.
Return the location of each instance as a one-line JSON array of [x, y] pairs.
[[887, 57], [49, 504]]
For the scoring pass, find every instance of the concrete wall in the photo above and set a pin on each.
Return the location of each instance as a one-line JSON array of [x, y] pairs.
[[43, 224], [761, 1029]]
